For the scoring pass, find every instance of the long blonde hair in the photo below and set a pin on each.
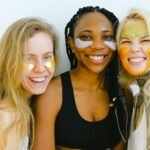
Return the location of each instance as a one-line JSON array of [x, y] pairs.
[[125, 78], [12, 50]]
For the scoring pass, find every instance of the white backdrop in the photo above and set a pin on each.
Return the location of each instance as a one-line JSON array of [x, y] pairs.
[[58, 12]]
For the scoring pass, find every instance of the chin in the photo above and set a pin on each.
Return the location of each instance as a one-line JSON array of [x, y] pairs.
[[38, 91]]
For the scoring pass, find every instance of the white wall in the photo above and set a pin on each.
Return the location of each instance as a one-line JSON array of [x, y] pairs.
[[58, 12]]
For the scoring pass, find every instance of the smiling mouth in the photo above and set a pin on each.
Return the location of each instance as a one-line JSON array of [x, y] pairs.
[[38, 79], [137, 60], [97, 58]]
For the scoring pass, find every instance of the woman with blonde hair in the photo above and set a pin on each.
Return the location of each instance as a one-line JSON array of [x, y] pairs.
[[27, 64], [133, 40]]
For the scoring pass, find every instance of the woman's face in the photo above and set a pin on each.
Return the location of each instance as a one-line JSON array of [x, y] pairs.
[[93, 42], [134, 47], [39, 63]]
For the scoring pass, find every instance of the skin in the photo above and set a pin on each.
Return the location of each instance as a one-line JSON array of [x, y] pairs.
[[39, 47], [134, 47], [37, 74], [92, 61]]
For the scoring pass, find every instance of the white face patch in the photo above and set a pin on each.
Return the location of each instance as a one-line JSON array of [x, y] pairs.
[[110, 44], [82, 44]]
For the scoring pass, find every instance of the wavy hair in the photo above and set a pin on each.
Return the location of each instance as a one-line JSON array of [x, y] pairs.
[[12, 51]]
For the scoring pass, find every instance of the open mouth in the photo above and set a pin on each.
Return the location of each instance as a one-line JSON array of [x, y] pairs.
[[38, 79], [97, 58], [137, 59]]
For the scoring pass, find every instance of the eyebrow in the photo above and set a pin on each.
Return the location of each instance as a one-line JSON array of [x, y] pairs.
[[141, 36], [31, 54], [105, 30]]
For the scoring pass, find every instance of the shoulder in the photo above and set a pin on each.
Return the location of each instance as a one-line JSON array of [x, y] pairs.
[[50, 102], [7, 117]]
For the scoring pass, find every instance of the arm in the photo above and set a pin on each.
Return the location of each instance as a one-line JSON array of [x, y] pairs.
[[46, 109]]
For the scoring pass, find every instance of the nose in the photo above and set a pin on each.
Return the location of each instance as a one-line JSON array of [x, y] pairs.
[[98, 44], [135, 47], [40, 67]]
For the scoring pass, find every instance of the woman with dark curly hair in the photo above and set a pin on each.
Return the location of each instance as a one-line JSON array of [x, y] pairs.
[[83, 108]]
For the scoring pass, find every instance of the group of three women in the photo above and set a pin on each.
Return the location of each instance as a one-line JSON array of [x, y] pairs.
[[84, 108]]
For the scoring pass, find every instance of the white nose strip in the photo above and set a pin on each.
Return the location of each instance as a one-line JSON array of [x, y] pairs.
[[82, 44], [110, 44]]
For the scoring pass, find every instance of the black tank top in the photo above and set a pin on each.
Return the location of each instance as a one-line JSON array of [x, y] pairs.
[[72, 131]]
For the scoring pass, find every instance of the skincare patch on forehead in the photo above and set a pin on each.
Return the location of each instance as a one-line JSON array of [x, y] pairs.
[[110, 44], [82, 44], [134, 28]]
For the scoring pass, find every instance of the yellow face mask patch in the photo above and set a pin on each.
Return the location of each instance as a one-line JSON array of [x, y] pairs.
[[134, 28]]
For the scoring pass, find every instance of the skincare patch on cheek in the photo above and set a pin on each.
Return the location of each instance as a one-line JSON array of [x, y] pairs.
[[50, 64], [82, 44], [110, 44], [29, 66]]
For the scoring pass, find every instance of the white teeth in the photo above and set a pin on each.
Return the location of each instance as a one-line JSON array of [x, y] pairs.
[[136, 60], [41, 79], [96, 58]]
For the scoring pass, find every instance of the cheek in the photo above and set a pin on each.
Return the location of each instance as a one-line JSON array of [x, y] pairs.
[[50, 64], [148, 58], [123, 53], [148, 53]]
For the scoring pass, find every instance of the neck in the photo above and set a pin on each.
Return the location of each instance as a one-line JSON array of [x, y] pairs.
[[89, 79]]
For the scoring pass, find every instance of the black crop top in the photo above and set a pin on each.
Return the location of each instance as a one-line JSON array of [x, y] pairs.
[[72, 131]]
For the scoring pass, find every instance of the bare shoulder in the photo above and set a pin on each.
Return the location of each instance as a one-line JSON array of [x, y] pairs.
[[7, 117], [50, 101]]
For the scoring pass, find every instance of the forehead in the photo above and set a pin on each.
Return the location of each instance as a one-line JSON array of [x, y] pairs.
[[134, 27], [39, 43], [93, 19]]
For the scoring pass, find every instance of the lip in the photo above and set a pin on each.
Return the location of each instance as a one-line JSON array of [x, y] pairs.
[[97, 58], [41, 79], [136, 60]]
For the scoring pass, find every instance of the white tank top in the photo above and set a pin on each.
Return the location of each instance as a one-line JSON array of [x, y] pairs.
[[138, 137]]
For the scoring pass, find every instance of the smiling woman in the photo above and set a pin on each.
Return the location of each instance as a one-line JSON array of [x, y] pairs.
[[83, 108], [133, 40], [27, 64]]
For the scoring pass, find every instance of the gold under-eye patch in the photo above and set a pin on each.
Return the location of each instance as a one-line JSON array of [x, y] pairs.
[[50, 64]]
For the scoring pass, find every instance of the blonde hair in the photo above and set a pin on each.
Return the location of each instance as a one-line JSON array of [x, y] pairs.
[[124, 77], [12, 50]]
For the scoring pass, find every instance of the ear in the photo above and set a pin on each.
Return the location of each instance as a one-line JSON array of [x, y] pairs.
[[71, 44]]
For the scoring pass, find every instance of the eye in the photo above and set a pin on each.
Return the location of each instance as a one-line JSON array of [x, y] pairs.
[[125, 42], [30, 59], [85, 37], [147, 40], [108, 37], [47, 57]]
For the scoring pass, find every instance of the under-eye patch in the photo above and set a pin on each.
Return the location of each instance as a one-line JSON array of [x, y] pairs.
[[110, 44], [47, 63], [82, 44], [30, 66], [50, 64]]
